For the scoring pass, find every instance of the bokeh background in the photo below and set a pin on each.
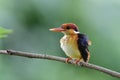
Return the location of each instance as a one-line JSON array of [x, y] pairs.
[[30, 21]]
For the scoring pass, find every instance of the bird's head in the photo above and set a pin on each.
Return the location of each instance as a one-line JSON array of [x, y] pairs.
[[67, 28]]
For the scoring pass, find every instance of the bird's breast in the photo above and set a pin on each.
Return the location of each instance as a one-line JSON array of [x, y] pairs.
[[70, 47]]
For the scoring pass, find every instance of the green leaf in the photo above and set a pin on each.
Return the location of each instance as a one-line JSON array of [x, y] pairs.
[[4, 32]]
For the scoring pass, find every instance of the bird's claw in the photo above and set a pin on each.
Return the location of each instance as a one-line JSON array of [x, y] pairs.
[[67, 60], [77, 61]]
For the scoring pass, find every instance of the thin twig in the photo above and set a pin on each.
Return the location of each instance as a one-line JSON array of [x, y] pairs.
[[60, 59]]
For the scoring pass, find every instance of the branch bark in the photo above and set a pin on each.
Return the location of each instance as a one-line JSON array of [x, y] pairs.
[[61, 59]]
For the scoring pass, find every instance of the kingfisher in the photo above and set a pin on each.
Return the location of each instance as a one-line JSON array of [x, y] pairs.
[[73, 43]]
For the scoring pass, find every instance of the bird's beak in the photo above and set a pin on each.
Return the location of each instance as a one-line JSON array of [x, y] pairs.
[[57, 29]]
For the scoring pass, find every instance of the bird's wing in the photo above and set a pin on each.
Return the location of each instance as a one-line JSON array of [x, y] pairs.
[[83, 44]]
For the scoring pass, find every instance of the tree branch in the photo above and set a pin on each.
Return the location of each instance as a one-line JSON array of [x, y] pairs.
[[60, 59]]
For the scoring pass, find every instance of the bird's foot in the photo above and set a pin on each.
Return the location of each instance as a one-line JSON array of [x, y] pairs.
[[77, 61], [67, 60]]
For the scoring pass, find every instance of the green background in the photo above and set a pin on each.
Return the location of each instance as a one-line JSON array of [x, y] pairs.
[[31, 20]]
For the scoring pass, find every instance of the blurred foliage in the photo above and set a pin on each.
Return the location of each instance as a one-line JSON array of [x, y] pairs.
[[4, 32], [31, 20]]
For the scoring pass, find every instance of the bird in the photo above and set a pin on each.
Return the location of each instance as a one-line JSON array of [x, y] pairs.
[[73, 43]]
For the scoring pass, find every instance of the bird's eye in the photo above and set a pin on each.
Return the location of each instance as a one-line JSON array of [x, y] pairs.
[[68, 27]]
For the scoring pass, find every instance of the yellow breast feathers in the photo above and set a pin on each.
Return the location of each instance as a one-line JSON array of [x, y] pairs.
[[69, 46]]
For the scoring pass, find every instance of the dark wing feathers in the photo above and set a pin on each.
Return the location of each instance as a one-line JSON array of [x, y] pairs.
[[83, 46]]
